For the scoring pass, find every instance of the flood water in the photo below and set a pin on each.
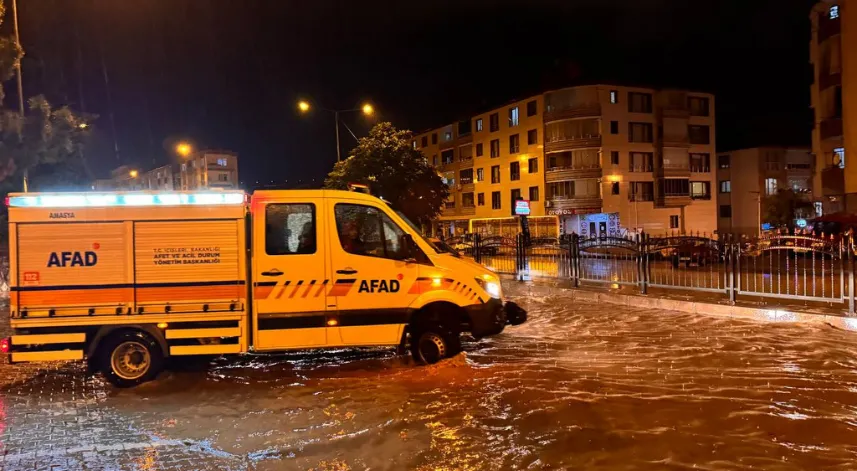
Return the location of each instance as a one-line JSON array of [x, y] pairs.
[[579, 386]]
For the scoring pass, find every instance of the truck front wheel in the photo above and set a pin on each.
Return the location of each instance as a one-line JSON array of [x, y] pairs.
[[430, 346], [130, 357]]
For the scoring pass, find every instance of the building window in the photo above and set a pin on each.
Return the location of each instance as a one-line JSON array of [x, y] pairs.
[[479, 150], [480, 174], [725, 211], [532, 137], [514, 144], [464, 127], [465, 176], [478, 124], [221, 177], [495, 200], [447, 156], [639, 102], [424, 141], [433, 138], [494, 122], [447, 136], [434, 160], [673, 222], [723, 161], [449, 204], [516, 195], [614, 188], [700, 163], [640, 132], [467, 200], [725, 186], [495, 174], [834, 12], [839, 157], [480, 199], [534, 193], [495, 148], [614, 127], [221, 162], [291, 229], [513, 117], [641, 191], [699, 134], [184, 167], [675, 187], [614, 157], [414, 144], [700, 190], [698, 106], [532, 108], [514, 171], [818, 208], [533, 165], [640, 161], [614, 97], [770, 186]]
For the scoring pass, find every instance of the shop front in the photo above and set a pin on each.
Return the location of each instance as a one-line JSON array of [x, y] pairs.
[[588, 222]]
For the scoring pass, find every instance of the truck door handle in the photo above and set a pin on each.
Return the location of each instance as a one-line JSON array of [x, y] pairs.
[[272, 272], [346, 271]]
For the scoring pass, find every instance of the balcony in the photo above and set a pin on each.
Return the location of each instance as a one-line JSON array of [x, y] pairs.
[[675, 169], [561, 174], [826, 81], [675, 141], [828, 27], [466, 187], [674, 200], [561, 143], [558, 205], [641, 197], [700, 169], [833, 181], [468, 210], [675, 111], [464, 139], [831, 128], [449, 211], [466, 163], [588, 110], [640, 167], [446, 145]]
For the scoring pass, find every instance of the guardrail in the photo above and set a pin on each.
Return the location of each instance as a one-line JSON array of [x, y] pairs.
[[802, 267]]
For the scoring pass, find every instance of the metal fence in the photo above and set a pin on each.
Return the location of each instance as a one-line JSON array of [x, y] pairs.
[[802, 267]]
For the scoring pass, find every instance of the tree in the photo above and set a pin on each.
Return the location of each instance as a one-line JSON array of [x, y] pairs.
[[394, 170], [781, 209]]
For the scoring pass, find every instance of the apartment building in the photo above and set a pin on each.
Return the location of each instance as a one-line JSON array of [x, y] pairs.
[[834, 103], [202, 169], [594, 160], [746, 177]]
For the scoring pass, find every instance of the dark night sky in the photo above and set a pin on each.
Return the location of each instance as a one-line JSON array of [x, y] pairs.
[[227, 73]]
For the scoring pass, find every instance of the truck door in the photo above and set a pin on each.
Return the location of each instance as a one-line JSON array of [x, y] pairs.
[[289, 273], [372, 282]]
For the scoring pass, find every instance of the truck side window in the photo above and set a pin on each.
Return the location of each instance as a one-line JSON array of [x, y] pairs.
[[364, 230], [290, 229]]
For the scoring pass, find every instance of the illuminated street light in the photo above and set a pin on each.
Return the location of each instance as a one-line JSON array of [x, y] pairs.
[[82, 126], [183, 149], [367, 109], [133, 173]]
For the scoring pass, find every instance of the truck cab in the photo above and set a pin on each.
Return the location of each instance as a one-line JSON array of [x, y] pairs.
[[293, 269]]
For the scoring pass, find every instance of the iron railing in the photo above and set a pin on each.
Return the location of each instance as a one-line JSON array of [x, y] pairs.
[[800, 267]]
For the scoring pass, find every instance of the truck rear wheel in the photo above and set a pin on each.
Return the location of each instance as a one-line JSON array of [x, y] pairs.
[[430, 346], [129, 358]]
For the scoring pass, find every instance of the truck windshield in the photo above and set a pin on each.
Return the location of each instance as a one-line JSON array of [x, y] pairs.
[[419, 232]]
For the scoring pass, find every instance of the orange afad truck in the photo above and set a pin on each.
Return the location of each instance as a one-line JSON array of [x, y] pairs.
[[126, 280]]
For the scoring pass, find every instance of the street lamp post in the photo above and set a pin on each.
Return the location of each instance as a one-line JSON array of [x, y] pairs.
[[367, 109]]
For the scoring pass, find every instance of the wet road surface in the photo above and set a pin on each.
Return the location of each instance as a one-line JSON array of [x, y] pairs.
[[578, 387]]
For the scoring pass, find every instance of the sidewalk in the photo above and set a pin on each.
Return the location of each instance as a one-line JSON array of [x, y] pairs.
[[767, 309]]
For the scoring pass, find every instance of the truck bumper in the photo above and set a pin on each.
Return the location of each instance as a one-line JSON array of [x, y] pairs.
[[491, 318]]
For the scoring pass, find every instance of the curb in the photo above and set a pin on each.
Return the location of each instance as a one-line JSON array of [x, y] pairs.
[[691, 307]]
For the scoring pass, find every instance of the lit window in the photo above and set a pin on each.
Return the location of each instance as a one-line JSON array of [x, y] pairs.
[[770, 186], [726, 186], [513, 116], [818, 206], [614, 97], [221, 162], [479, 124], [839, 157], [834, 12]]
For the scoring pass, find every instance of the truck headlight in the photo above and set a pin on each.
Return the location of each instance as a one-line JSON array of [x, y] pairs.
[[491, 287]]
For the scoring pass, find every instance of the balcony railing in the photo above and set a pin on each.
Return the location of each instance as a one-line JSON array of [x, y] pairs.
[[829, 80], [558, 204], [675, 141], [832, 181], [557, 143], [641, 197], [585, 110], [675, 111], [640, 167], [558, 174], [700, 168], [468, 210], [831, 128], [466, 163]]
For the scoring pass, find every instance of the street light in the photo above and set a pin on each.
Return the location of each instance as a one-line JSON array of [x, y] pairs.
[[183, 149], [367, 109], [133, 173], [82, 126]]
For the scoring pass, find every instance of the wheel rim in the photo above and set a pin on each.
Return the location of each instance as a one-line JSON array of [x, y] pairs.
[[432, 348], [130, 360]]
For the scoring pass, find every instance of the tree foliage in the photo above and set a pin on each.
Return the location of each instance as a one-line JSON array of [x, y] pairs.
[[394, 170], [781, 209]]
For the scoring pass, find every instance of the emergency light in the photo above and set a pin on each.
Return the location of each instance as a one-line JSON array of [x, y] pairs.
[[100, 200]]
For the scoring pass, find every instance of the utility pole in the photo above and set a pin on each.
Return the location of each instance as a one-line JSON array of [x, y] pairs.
[[20, 82]]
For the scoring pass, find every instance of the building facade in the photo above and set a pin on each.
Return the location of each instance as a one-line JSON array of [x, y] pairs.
[[746, 177], [834, 102], [594, 160], [202, 169]]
